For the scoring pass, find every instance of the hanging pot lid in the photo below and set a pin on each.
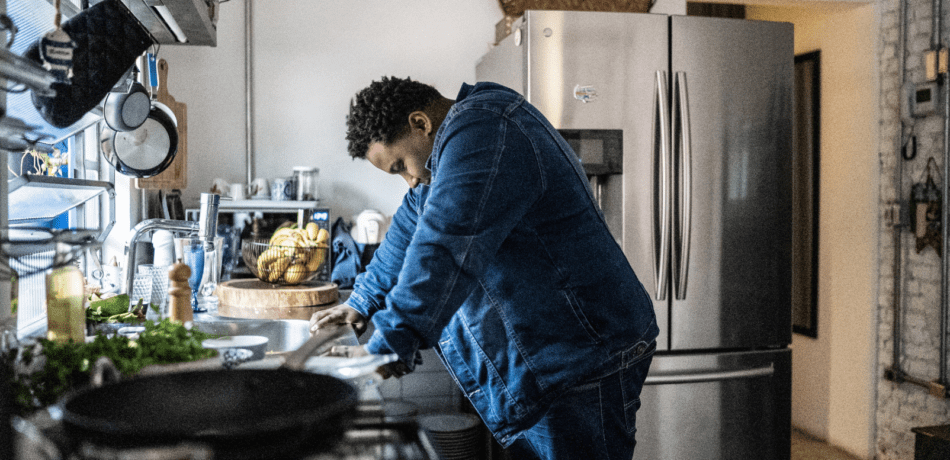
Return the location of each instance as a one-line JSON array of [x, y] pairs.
[[145, 151]]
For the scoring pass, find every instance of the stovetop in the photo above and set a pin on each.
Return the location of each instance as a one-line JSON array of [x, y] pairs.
[[370, 435]]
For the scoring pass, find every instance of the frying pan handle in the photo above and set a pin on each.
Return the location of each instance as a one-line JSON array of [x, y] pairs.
[[319, 343], [103, 372]]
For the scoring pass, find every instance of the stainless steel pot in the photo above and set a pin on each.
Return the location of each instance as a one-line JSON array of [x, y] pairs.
[[127, 110], [146, 150]]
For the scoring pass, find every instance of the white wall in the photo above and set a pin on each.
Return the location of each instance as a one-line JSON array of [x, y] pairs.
[[833, 376], [309, 59]]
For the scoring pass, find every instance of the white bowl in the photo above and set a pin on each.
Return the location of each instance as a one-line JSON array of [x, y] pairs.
[[255, 343]]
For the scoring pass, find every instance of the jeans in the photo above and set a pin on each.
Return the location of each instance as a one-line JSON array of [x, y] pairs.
[[594, 420]]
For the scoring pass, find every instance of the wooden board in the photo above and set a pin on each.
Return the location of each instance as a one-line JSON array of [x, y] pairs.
[[176, 176], [253, 298]]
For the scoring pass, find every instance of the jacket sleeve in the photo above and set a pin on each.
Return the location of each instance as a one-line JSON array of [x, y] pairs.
[[372, 286], [486, 177]]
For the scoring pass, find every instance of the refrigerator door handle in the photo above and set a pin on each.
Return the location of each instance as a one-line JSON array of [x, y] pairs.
[[681, 133], [661, 186], [716, 376]]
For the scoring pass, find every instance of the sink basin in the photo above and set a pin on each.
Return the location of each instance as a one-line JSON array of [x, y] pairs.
[[286, 335], [282, 334]]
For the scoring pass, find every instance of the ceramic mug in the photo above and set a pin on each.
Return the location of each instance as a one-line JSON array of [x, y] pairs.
[[282, 189], [237, 192], [260, 188], [220, 187]]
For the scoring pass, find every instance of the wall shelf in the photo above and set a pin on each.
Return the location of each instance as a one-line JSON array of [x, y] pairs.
[[263, 206], [34, 199]]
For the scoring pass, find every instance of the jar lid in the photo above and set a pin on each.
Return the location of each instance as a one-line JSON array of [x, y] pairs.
[[306, 169]]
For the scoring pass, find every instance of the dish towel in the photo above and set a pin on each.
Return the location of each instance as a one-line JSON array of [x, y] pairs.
[[346, 262]]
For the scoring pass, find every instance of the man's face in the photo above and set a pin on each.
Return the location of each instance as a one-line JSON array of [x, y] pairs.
[[407, 155]]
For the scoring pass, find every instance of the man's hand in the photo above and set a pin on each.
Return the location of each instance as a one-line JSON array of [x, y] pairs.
[[393, 369], [340, 314]]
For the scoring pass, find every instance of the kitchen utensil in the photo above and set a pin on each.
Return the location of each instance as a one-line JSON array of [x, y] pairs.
[[191, 252], [369, 228], [260, 189], [194, 258], [110, 279], [253, 298], [176, 175], [220, 186], [127, 110], [132, 332], [65, 307], [256, 344], [108, 39], [172, 207], [238, 412], [282, 189], [306, 179], [142, 285], [456, 436], [231, 242], [283, 265], [145, 151], [163, 242], [236, 192]]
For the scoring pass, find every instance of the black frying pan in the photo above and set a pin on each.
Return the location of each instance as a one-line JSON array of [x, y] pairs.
[[241, 413]]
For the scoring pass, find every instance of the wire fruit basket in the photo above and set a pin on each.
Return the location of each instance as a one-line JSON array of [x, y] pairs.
[[291, 256]]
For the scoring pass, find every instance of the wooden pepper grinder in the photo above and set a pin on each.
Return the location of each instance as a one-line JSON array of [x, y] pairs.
[[179, 293]]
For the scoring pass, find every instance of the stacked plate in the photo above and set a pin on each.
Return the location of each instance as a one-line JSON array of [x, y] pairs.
[[455, 436]]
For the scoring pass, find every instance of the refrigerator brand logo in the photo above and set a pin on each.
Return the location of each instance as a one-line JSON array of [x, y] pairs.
[[585, 93]]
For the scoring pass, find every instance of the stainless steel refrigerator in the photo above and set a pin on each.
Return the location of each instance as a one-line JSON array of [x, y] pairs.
[[684, 127]]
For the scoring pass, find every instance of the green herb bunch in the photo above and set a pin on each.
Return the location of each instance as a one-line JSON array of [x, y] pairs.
[[68, 364]]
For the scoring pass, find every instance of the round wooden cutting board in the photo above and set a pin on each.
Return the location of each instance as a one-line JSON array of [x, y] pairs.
[[253, 298]]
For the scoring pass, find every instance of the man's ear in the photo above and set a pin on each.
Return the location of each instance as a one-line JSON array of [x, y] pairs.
[[418, 120]]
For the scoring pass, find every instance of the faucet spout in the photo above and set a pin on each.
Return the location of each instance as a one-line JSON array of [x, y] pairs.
[[147, 226], [208, 219], [206, 227]]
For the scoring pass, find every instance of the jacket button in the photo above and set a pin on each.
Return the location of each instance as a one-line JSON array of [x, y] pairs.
[[640, 349]]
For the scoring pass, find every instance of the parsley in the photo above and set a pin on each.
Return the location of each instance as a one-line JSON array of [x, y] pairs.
[[67, 365]]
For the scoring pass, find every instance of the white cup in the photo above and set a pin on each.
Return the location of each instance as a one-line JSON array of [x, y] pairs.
[[260, 188], [111, 279], [164, 245], [219, 186], [237, 192]]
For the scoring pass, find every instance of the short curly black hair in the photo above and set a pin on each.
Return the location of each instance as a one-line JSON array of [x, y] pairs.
[[380, 112]]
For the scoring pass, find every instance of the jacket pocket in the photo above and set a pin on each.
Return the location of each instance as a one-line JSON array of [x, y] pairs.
[[581, 317], [636, 364]]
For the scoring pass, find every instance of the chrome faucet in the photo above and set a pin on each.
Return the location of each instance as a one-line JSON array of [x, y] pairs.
[[206, 228]]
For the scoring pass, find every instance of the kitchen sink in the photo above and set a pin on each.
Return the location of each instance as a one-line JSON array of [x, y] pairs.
[[282, 334]]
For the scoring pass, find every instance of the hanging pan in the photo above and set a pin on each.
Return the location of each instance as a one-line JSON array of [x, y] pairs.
[[146, 150], [128, 105]]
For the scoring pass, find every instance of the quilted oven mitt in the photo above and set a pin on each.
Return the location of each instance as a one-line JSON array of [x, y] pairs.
[[108, 39]]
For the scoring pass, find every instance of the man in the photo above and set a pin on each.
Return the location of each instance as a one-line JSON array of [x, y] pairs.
[[501, 261]]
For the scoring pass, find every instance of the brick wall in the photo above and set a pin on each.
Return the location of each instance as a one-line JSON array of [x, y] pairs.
[[901, 407]]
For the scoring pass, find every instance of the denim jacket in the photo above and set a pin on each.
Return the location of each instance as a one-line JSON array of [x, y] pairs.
[[505, 266]]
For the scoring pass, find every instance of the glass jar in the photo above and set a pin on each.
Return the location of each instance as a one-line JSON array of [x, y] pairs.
[[306, 178]]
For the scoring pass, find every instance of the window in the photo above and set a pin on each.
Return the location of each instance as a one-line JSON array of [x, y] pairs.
[[78, 145]]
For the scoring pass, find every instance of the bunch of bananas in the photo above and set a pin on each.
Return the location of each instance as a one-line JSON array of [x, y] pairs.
[[293, 254]]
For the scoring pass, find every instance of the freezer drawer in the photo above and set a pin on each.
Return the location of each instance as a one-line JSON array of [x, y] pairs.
[[716, 406]]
